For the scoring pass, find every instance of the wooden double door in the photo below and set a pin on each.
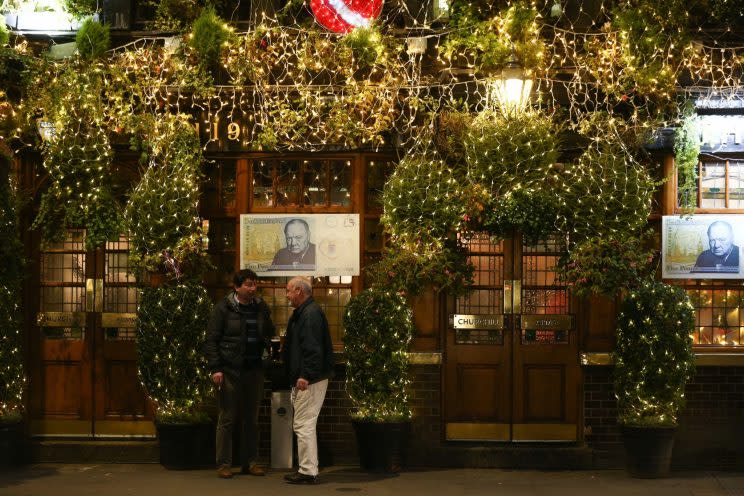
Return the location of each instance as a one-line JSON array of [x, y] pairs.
[[82, 351], [511, 369]]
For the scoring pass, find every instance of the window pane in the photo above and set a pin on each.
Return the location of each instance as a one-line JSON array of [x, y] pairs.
[[372, 235], [315, 178], [341, 182], [263, 194], [287, 183], [736, 184], [718, 320], [228, 184], [713, 185]]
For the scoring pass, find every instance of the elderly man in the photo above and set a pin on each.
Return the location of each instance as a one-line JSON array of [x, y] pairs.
[[299, 254], [723, 254], [308, 358]]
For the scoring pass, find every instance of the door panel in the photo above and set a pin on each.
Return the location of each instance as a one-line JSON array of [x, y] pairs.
[[83, 377], [520, 382]]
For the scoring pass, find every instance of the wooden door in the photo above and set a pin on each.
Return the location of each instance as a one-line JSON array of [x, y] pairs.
[[511, 368], [83, 370]]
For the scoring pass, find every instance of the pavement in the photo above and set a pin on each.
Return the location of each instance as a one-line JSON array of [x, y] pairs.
[[43, 479]]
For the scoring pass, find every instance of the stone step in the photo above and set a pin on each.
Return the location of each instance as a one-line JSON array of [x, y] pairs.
[[96, 451]]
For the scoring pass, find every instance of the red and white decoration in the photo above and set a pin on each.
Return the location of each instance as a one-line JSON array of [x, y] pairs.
[[341, 16]]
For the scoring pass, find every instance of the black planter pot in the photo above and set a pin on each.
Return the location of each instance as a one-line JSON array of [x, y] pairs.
[[382, 446], [186, 446], [12, 446], [648, 451]]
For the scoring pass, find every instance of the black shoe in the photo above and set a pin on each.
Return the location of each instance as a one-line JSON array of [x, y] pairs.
[[298, 478]]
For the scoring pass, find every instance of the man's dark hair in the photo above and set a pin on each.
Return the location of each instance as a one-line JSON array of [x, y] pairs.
[[297, 221], [242, 275]]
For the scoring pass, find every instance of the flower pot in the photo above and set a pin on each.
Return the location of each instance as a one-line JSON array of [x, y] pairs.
[[186, 446], [648, 451], [12, 450], [382, 446]]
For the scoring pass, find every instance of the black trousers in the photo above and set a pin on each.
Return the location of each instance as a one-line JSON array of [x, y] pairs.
[[244, 392]]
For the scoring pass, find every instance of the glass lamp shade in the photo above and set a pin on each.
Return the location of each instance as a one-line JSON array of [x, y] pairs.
[[509, 91]]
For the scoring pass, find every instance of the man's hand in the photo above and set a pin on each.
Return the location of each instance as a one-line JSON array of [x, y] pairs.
[[217, 379], [302, 384]]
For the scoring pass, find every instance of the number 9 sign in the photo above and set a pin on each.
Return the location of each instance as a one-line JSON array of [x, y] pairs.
[[342, 16]]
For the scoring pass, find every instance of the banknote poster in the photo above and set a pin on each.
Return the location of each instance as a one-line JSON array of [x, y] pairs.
[[702, 247], [290, 245]]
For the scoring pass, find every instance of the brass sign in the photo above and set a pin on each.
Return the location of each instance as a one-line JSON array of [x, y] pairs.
[[126, 320], [477, 321], [60, 319], [555, 322]]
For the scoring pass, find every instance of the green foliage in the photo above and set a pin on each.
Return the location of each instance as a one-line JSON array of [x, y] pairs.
[[379, 327], [12, 372], [606, 264], [366, 44], [450, 129], [174, 15], [81, 8], [4, 34], [686, 151], [171, 330], [606, 190], [653, 355], [92, 39], [208, 35], [161, 214], [424, 201], [16, 67], [414, 268], [532, 212], [77, 159], [491, 43], [506, 152]]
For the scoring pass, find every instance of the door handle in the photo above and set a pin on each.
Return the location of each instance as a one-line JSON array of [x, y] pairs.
[[94, 295], [512, 296]]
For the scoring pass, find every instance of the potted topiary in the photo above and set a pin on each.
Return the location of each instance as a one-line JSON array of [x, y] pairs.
[[12, 373], [379, 327], [653, 363]]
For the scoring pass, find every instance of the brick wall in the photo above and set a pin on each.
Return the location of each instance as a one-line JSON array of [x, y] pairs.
[[709, 434]]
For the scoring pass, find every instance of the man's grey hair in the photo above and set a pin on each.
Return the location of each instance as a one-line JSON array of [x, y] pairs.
[[303, 283]]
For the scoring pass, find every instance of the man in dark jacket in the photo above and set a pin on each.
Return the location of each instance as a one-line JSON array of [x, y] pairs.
[[240, 330], [308, 359]]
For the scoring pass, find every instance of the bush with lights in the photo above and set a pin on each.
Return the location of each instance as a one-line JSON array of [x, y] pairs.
[[653, 354], [12, 372], [171, 330], [379, 327]]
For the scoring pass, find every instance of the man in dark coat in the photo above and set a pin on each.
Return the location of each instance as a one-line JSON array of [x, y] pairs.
[[239, 332], [308, 359]]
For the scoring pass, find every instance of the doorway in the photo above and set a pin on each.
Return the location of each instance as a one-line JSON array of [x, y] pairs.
[[82, 349], [511, 370]]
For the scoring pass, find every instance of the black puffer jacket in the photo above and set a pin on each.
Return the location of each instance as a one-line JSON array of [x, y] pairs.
[[308, 351], [225, 345]]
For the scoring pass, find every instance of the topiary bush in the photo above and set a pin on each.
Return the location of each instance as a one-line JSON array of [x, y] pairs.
[[653, 355], [379, 327], [171, 330], [93, 39], [208, 35]]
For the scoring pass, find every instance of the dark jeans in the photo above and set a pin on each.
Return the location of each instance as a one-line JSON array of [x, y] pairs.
[[246, 392]]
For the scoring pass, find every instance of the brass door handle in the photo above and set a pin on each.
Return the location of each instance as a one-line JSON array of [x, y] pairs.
[[512, 296], [94, 295]]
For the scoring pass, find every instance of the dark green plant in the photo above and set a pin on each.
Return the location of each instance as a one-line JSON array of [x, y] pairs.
[[12, 371], [4, 34], [606, 264], [81, 8], [686, 152], [171, 330], [93, 39], [77, 158], [506, 152], [161, 214], [653, 355], [532, 212], [424, 201], [174, 15], [208, 35], [491, 43], [415, 268], [379, 327], [366, 44]]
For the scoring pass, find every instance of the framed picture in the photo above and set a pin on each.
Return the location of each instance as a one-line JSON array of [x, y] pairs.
[[309, 244], [702, 247]]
